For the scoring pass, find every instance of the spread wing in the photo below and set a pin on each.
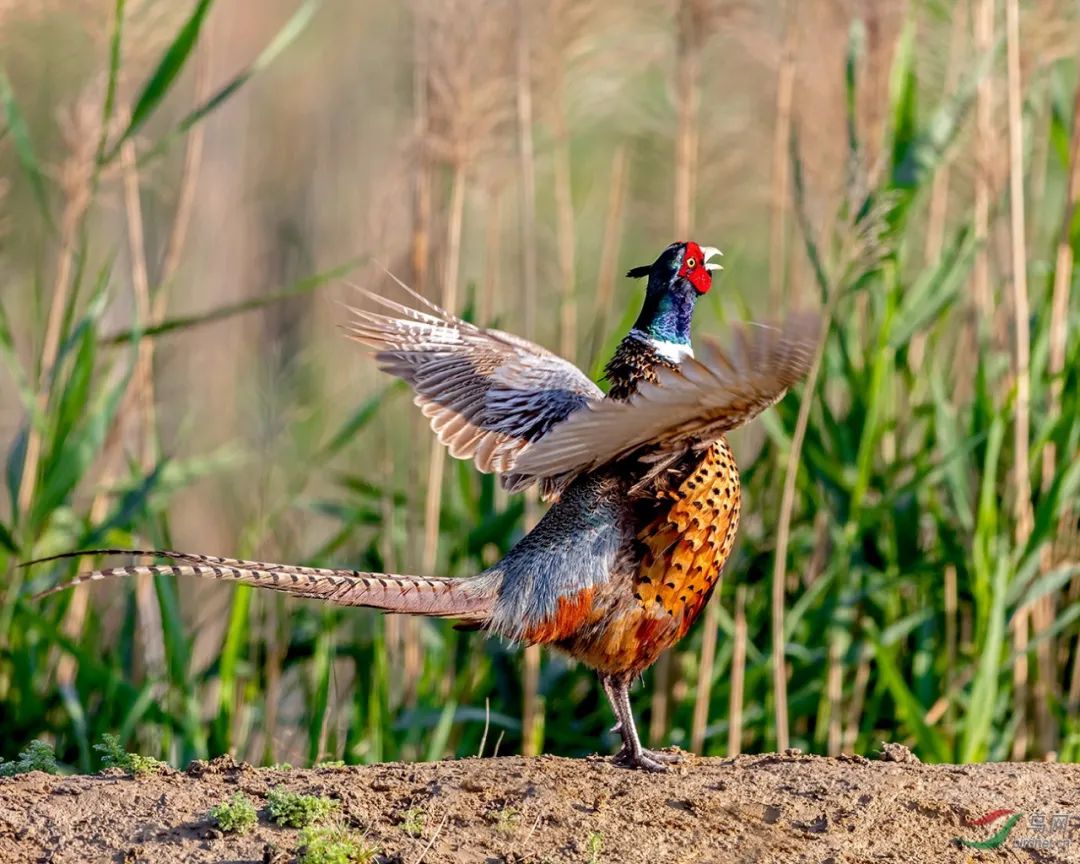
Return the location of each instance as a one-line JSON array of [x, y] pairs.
[[488, 394], [702, 399]]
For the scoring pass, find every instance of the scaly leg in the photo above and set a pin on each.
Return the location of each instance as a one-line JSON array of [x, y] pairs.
[[609, 689], [632, 754]]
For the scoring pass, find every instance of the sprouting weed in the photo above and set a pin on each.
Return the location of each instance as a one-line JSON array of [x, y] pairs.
[[38, 756], [594, 845], [235, 816], [334, 844], [297, 810], [113, 755], [412, 822], [506, 820]]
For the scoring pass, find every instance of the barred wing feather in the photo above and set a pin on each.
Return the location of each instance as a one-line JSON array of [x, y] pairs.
[[698, 402], [488, 394]]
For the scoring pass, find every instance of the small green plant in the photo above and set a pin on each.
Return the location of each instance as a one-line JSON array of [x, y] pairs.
[[506, 820], [594, 845], [297, 810], [412, 822], [113, 755], [235, 816], [330, 763], [279, 766], [38, 756], [334, 844]]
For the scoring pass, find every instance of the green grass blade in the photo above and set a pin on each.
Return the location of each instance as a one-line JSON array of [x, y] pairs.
[[977, 725], [186, 322], [934, 291], [904, 90], [228, 664], [1051, 582], [285, 36], [109, 104], [80, 448], [163, 77], [436, 748], [802, 214], [24, 149], [321, 668], [856, 51], [7, 541], [364, 414], [932, 745], [16, 370]]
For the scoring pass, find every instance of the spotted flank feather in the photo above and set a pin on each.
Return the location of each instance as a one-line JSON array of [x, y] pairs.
[[467, 599]]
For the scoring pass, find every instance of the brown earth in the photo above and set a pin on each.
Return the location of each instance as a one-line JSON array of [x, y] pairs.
[[770, 808]]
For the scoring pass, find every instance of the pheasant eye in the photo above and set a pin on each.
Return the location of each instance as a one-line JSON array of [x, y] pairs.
[[690, 263]]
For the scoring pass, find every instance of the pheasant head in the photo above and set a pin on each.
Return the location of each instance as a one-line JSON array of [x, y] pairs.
[[681, 274]]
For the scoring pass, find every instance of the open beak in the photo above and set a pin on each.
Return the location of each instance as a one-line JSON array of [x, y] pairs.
[[709, 252]]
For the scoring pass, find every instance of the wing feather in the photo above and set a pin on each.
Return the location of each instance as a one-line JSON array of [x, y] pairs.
[[487, 394], [697, 402]]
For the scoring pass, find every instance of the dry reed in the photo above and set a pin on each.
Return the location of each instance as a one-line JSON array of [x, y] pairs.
[[1020, 315]]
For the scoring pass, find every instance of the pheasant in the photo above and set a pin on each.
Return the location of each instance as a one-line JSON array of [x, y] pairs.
[[645, 489]]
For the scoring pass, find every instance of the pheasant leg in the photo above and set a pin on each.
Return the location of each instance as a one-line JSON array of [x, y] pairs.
[[632, 754]]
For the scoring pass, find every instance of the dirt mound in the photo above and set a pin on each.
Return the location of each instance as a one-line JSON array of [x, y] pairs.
[[771, 808]]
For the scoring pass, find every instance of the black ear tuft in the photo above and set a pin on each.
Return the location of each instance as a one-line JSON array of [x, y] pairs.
[[639, 272]]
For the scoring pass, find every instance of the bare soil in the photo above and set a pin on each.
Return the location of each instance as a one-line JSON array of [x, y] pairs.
[[769, 808]]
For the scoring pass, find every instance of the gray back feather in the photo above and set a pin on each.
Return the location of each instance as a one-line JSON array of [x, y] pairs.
[[576, 545]]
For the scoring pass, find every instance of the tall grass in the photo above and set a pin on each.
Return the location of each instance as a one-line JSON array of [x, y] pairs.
[[897, 577]]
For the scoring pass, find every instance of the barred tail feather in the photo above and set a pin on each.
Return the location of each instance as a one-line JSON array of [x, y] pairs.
[[469, 599]]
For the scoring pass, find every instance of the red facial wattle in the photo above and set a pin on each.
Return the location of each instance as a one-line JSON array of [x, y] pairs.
[[694, 270]]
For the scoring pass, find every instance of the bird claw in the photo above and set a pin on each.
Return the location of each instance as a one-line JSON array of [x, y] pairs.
[[647, 760]]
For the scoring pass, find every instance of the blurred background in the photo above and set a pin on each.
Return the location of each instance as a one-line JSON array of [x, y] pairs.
[[187, 191]]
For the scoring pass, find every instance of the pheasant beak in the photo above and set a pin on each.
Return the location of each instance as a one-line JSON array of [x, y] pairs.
[[708, 252]]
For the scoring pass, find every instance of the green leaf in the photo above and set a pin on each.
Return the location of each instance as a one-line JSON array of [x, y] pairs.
[[806, 224], [856, 50], [80, 449], [931, 744], [924, 155], [75, 393], [24, 149], [297, 289], [904, 87], [15, 368], [285, 36], [436, 748], [1051, 582], [364, 414], [1053, 505], [161, 81], [955, 451], [975, 736], [6, 540], [231, 655], [319, 699], [934, 290], [109, 105]]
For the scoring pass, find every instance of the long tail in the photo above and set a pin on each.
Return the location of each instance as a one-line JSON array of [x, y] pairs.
[[468, 599]]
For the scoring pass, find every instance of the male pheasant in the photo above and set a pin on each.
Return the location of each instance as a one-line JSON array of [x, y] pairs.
[[645, 488]]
